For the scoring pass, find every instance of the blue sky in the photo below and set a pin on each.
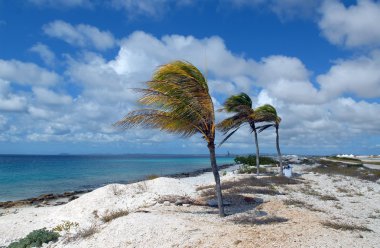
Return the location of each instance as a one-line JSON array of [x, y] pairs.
[[67, 68]]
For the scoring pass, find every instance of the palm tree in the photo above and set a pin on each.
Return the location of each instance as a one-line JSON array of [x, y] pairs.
[[241, 105], [268, 113], [178, 101]]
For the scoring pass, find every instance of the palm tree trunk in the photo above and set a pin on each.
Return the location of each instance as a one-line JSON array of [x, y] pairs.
[[278, 151], [218, 189], [257, 151]]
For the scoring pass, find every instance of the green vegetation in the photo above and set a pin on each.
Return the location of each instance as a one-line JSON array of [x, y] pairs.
[[177, 100], [251, 160], [35, 239]]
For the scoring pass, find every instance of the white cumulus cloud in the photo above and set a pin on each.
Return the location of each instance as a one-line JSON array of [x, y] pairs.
[[81, 35], [26, 73], [352, 26], [44, 52]]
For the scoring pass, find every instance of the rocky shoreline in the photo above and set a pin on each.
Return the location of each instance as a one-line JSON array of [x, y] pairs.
[[52, 199]]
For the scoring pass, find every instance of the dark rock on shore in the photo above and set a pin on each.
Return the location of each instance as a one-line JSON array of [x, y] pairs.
[[44, 199]]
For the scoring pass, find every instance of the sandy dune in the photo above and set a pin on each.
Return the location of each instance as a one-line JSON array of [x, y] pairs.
[[292, 217]]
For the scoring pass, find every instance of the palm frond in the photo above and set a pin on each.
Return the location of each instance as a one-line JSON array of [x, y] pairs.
[[232, 122], [262, 128], [266, 113], [227, 137], [150, 118], [237, 103]]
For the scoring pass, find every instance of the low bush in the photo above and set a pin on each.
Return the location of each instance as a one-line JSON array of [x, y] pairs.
[[251, 160], [247, 169], [35, 239]]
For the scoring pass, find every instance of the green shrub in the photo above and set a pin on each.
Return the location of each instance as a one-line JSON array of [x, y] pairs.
[[251, 160], [35, 239]]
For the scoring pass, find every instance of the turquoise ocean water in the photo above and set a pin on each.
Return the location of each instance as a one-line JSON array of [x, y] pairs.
[[25, 176]]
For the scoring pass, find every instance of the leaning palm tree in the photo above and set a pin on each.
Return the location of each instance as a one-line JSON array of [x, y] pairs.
[[268, 113], [241, 106], [178, 101]]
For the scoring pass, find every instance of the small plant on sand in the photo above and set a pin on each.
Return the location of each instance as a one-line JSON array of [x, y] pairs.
[[114, 215], [141, 187], [116, 189], [224, 173], [152, 176], [86, 232], [65, 226], [35, 239]]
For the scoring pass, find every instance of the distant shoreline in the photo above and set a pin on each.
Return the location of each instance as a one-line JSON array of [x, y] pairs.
[[55, 199]]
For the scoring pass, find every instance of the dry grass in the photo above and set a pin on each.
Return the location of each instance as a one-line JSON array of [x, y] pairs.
[[86, 232], [342, 190], [328, 198], [339, 168], [308, 190], [302, 204], [253, 220], [345, 226], [116, 190], [114, 215]]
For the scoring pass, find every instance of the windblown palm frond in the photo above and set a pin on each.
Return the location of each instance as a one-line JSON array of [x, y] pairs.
[[267, 113], [237, 103], [179, 100]]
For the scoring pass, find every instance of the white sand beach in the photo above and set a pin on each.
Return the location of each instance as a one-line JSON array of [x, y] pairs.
[[168, 212]]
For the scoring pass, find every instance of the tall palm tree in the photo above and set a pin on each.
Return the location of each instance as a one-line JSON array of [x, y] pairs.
[[178, 101], [268, 113], [241, 106]]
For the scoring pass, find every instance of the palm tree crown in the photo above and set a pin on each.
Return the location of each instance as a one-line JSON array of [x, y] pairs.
[[241, 106], [268, 113], [179, 103]]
